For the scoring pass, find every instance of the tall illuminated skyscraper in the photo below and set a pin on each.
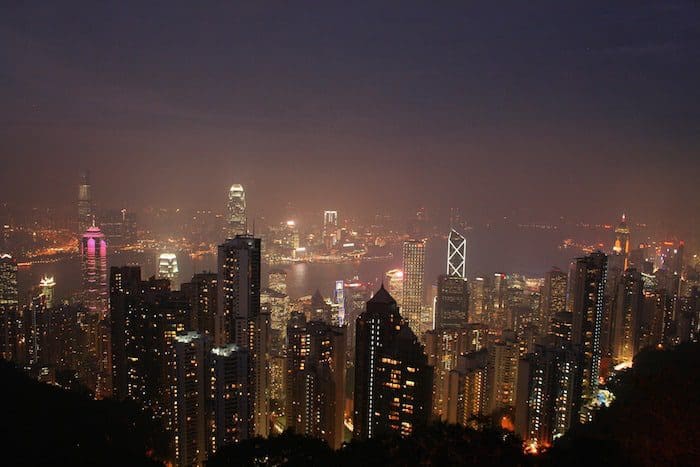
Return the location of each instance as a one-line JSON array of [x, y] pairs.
[[456, 255], [590, 275], [413, 282], [93, 253], [95, 293], [168, 269], [237, 218], [85, 211], [47, 286], [627, 316], [240, 321], [330, 228], [621, 247], [393, 382]]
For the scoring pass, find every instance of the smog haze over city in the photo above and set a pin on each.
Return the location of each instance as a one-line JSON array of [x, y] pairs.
[[317, 233]]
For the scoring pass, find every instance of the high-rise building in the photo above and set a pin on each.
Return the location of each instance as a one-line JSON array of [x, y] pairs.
[[240, 321], [189, 402], [203, 294], [547, 394], [85, 210], [9, 308], [145, 318], [502, 374], [277, 280], [47, 286], [477, 296], [621, 246], [315, 379], [413, 282], [168, 269], [466, 393], [456, 255], [95, 294], [627, 316], [228, 406], [330, 228], [393, 281], [553, 295], [392, 378], [451, 303], [237, 217], [587, 319]]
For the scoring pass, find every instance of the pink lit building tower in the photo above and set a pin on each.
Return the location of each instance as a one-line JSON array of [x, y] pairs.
[[95, 320]]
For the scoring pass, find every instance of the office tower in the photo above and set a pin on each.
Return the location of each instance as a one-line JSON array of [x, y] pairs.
[[168, 269], [502, 374], [553, 295], [93, 253], [277, 280], [456, 255], [621, 246], [466, 392], [339, 301], [413, 282], [452, 302], [392, 377], [547, 394], [330, 228], [627, 315], [315, 379], [47, 286], [497, 316], [477, 294], [203, 294], [228, 396], [237, 217], [189, 412], [85, 211], [95, 295], [393, 280], [241, 322], [9, 308], [587, 318]]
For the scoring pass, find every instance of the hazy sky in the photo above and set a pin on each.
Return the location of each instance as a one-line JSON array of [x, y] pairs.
[[588, 107]]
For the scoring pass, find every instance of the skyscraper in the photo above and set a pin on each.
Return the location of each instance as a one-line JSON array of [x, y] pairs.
[[85, 211], [502, 374], [228, 406], [452, 302], [393, 281], [547, 395], [456, 255], [168, 269], [9, 307], [392, 378], [627, 316], [315, 379], [330, 228], [587, 319], [237, 218], [553, 295], [240, 320], [189, 405], [47, 286], [95, 294], [413, 282], [621, 247]]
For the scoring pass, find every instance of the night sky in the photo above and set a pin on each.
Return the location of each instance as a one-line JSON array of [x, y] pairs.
[[540, 108]]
